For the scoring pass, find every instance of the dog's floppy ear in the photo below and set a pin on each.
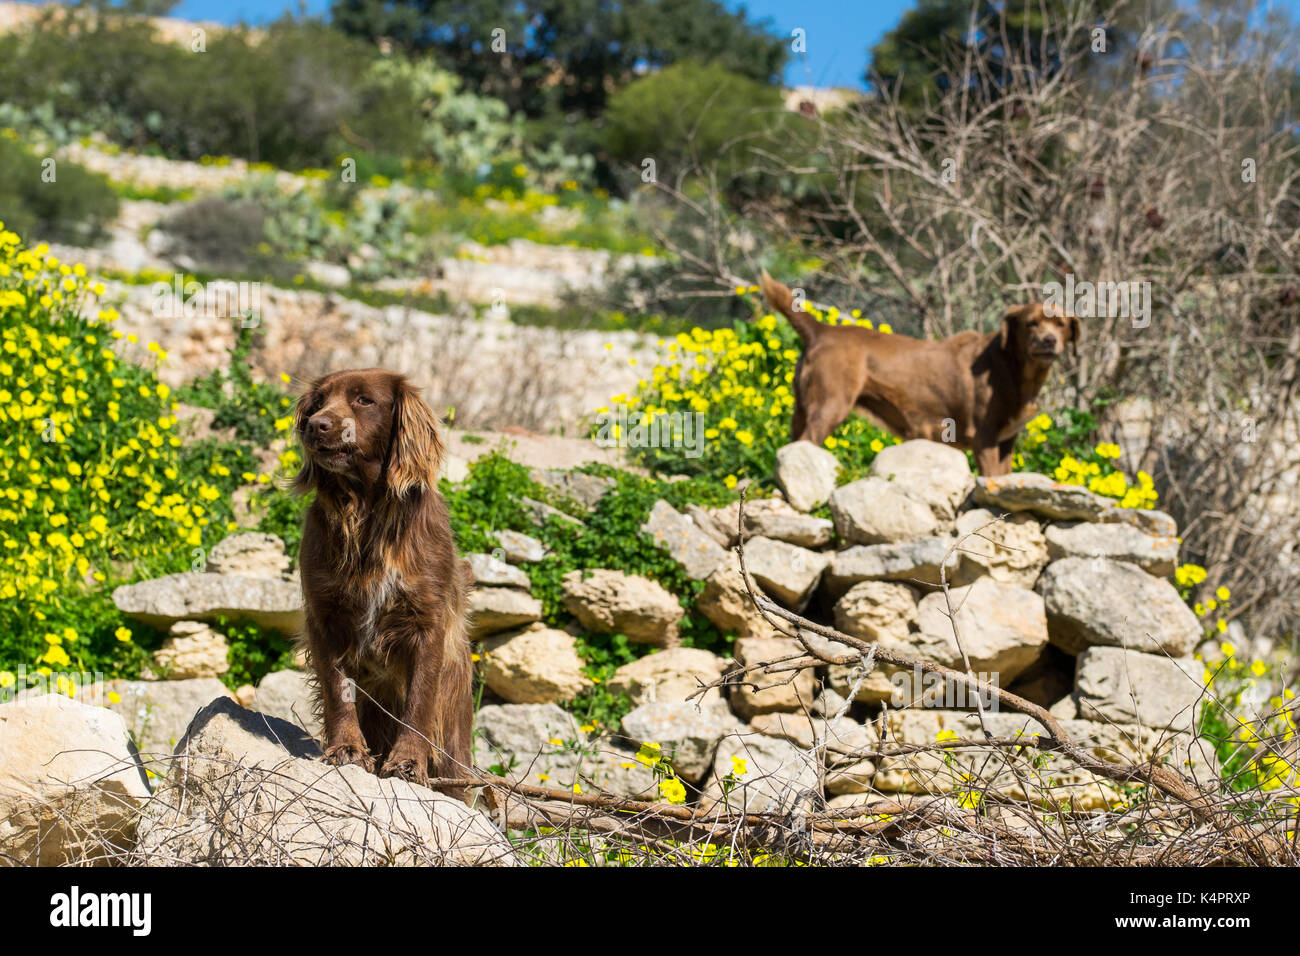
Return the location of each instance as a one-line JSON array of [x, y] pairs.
[[306, 478], [1076, 332], [1007, 335], [415, 446]]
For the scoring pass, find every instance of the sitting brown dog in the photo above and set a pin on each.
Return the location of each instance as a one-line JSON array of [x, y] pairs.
[[974, 391], [385, 593]]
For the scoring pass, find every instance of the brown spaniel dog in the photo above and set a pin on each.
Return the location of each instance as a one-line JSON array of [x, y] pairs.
[[974, 391], [385, 592]]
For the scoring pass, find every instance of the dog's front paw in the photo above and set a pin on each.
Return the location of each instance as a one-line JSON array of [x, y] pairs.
[[409, 763], [340, 755]]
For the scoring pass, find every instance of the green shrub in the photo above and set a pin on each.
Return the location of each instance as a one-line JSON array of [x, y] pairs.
[[296, 95], [74, 208], [688, 112]]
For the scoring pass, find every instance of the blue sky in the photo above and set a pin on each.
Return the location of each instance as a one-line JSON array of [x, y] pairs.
[[839, 32]]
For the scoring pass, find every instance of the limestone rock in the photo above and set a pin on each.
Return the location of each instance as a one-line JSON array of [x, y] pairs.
[[192, 649], [520, 548], [875, 511], [251, 553], [70, 782], [522, 730], [876, 611], [806, 474], [912, 562], [585, 489], [270, 603], [1010, 551], [668, 675], [786, 572], [778, 775], [1093, 601], [784, 690], [611, 602], [289, 695], [689, 735], [726, 603], [932, 472], [538, 665], [1053, 499], [498, 609], [1119, 542], [677, 534], [1113, 684], [490, 571], [1003, 628], [158, 712]]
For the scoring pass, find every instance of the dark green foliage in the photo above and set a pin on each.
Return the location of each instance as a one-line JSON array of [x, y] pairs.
[[597, 43], [74, 208], [298, 95]]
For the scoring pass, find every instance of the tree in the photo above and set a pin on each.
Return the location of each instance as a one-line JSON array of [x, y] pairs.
[[540, 55], [926, 54]]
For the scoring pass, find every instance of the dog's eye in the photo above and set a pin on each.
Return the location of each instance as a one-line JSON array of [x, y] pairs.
[[364, 400]]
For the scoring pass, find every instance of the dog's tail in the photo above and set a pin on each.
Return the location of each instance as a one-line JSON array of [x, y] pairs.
[[781, 298]]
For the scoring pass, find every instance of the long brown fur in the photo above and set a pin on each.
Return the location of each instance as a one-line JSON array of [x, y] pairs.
[[972, 390], [386, 596]]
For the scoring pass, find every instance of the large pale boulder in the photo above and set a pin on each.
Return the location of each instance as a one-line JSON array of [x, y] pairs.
[[1155, 554], [790, 526], [759, 693], [252, 553], [1093, 601], [611, 602], [191, 649], [1113, 684], [682, 538], [687, 736], [537, 665], [806, 474], [70, 782], [1011, 550], [725, 601], [934, 473], [672, 674], [1003, 628], [269, 602], [913, 562], [875, 511], [786, 572], [251, 789], [877, 611], [499, 609], [289, 695]]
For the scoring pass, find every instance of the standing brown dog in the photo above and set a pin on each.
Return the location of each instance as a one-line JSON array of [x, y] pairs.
[[385, 593], [973, 391]]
